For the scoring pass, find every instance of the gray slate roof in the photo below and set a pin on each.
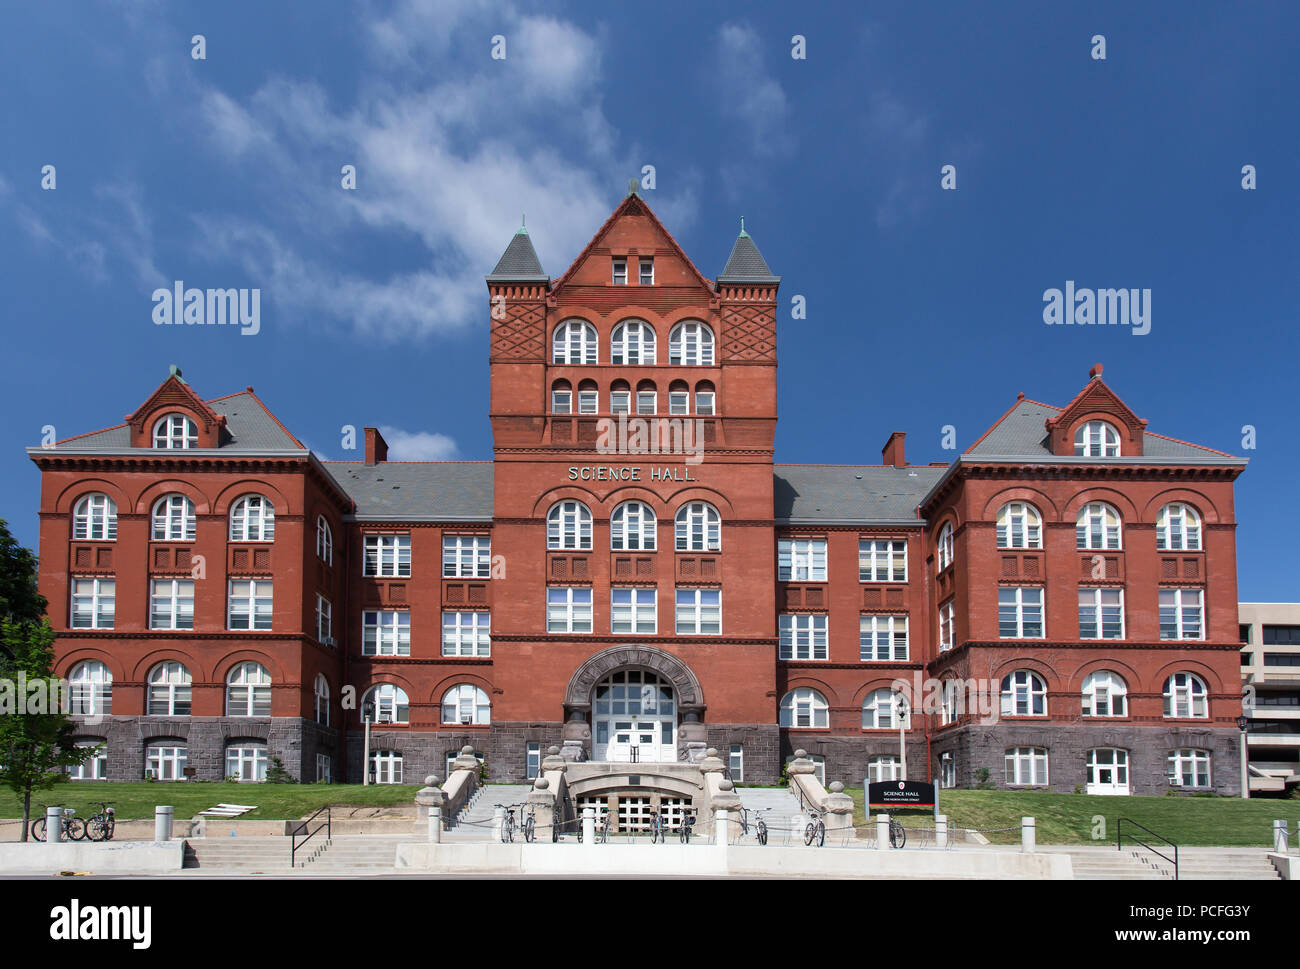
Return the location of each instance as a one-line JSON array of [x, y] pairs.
[[249, 426], [851, 493], [432, 490], [746, 264], [519, 263], [1022, 434]]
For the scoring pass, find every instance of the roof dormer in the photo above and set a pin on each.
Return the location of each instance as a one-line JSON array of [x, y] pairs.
[[175, 418], [1096, 424]]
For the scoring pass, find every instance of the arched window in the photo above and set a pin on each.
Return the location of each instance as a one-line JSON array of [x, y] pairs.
[[575, 343], [620, 397], [175, 431], [679, 398], [252, 519], [1105, 694], [647, 397], [386, 703], [588, 397], [248, 691], [466, 704], [91, 689], [705, 399], [1178, 528], [1098, 527], [170, 687], [699, 528], [561, 397], [632, 527], [94, 519], [883, 709], [324, 541], [804, 707], [568, 526], [690, 345], [173, 519], [1019, 526], [1023, 695], [1096, 439], [321, 695], [944, 551], [1185, 697], [633, 343]]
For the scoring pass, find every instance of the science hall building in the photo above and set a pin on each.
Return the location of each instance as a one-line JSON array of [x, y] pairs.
[[632, 577]]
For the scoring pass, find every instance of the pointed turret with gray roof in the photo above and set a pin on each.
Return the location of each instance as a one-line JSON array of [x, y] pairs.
[[519, 263], [746, 264]]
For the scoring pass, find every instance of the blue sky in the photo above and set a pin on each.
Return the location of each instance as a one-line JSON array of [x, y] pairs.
[[924, 305]]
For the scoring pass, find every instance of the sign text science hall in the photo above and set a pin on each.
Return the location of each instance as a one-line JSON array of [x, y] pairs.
[[634, 472]]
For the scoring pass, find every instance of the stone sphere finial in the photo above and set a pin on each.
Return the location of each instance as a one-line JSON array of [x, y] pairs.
[[801, 754], [726, 785], [433, 780], [541, 784], [467, 750], [836, 787], [711, 752], [553, 750]]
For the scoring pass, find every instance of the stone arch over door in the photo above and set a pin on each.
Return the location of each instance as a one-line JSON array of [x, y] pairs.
[[690, 698]]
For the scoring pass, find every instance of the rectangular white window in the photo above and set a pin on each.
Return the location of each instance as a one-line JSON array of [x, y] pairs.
[[466, 634], [647, 277], [679, 402], [166, 763], [736, 763], [883, 768], [324, 620], [882, 561], [802, 637], [801, 560], [561, 401], [620, 272], [386, 633], [532, 761], [171, 604], [386, 767], [946, 617], [93, 603], [1189, 768], [1101, 613], [249, 604], [947, 771], [466, 557], [632, 612], [323, 768], [704, 403], [620, 401], [94, 767], [645, 401], [882, 639], [699, 612], [387, 556], [588, 401], [1020, 612], [1181, 614], [247, 763], [568, 610], [1026, 766]]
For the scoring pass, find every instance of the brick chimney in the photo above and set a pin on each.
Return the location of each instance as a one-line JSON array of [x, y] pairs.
[[376, 446], [893, 450]]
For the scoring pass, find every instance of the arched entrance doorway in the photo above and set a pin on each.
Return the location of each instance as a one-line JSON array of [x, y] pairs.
[[634, 718]]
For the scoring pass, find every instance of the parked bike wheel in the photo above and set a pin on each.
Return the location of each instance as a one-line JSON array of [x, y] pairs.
[[96, 830], [75, 829], [38, 829], [897, 835], [809, 832], [762, 833], [529, 832], [685, 834]]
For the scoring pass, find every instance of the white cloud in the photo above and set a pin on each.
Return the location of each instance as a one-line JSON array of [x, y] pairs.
[[417, 445], [749, 91]]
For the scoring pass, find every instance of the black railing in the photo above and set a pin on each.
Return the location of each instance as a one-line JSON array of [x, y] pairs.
[[1119, 842], [295, 844]]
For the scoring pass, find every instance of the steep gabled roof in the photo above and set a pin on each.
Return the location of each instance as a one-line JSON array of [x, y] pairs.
[[746, 264], [519, 263]]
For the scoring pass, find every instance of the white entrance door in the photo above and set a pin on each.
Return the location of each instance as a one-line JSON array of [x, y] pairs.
[[634, 719], [1107, 771]]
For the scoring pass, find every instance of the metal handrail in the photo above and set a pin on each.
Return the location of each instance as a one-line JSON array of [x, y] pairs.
[[295, 844], [1119, 842]]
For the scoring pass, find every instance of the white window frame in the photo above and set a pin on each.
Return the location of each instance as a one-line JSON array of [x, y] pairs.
[[466, 634], [1099, 527], [881, 710], [1024, 765], [324, 620], [698, 611], [247, 757], [1119, 760], [176, 596], [944, 547], [645, 271], [173, 519], [388, 702], [575, 343], [804, 703], [736, 763], [1095, 604], [1027, 607], [801, 560], [248, 690], [386, 766], [569, 610], [1024, 694], [1019, 526], [690, 344], [175, 432], [802, 636], [647, 402], [633, 611], [568, 527], [633, 527], [466, 556], [588, 401], [679, 403], [697, 527], [882, 560], [532, 760], [620, 402], [387, 556], [252, 519], [94, 518], [947, 770], [166, 761], [1097, 439], [324, 769], [1189, 759], [883, 767], [324, 540], [618, 271], [90, 689], [1105, 688], [883, 639], [469, 705], [633, 344], [250, 604], [561, 401], [947, 623], [705, 403], [94, 602], [1182, 614], [93, 768], [170, 691], [320, 692], [1178, 528], [386, 632], [1186, 697]]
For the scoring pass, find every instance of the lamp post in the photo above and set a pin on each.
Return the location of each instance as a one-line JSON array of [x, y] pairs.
[[900, 705], [1243, 724], [365, 761]]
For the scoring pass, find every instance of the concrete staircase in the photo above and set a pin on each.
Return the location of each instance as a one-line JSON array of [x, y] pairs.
[[778, 806], [1194, 864], [1237, 864], [344, 853], [474, 822], [1093, 862]]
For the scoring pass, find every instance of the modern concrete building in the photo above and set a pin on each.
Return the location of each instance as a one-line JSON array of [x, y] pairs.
[[1270, 676]]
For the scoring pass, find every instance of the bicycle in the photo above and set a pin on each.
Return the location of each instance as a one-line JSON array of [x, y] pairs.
[[72, 828], [760, 825], [657, 833], [530, 826], [684, 832], [815, 831], [602, 830], [99, 827], [507, 825], [897, 834]]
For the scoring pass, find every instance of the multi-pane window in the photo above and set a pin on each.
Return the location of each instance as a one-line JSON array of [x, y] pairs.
[[321, 697], [1026, 766], [568, 526], [466, 557], [324, 541], [699, 612], [90, 689], [704, 403], [679, 402], [324, 620], [1189, 767], [466, 704], [1178, 528], [1105, 694], [561, 401], [171, 604], [632, 527], [1101, 613], [252, 519], [632, 611], [1181, 614], [1185, 697], [1097, 527], [884, 710], [699, 528], [175, 431], [1019, 526], [736, 763], [802, 637], [248, 691], [881, 560], [386, 632], [532, 760], [173, 519], [882, 638], [1108, 769], [647, 402], [883, 767], [466, 634], [588, 401], [1023, 695], [386, 703], [646, 276], [323, 771], [170, 689], [166, 762], [801, 560], [246, 762], [93, 603], [620, 271], [691, 345], [568, 610], [95, 766], [250, 604], [1020, 612], [620, 401], [804, 707], [387, 556], [633, 342], [575, 343], [947, 615], [386, 767], [1096, 439], [947, 770], [943, 553], [94, 519]]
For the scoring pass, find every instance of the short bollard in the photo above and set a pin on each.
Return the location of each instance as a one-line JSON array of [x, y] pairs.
[[499, 822], [1280, 839], [721, 827], [589, 826], [435, 825], [53, 825], [162, 822], [882, 831], [941, 831], [1027, 834]]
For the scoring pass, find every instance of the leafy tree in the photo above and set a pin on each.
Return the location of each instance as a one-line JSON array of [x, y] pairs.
[[277, 773], [19, 598]]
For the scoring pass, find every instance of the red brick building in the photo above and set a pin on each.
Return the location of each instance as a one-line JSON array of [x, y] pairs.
[[632, 577]]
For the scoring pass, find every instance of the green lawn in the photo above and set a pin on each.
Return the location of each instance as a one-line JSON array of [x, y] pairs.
[[1068, 818], [274, 801]]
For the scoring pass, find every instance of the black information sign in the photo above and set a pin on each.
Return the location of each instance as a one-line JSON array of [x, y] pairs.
[[886, 794]]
